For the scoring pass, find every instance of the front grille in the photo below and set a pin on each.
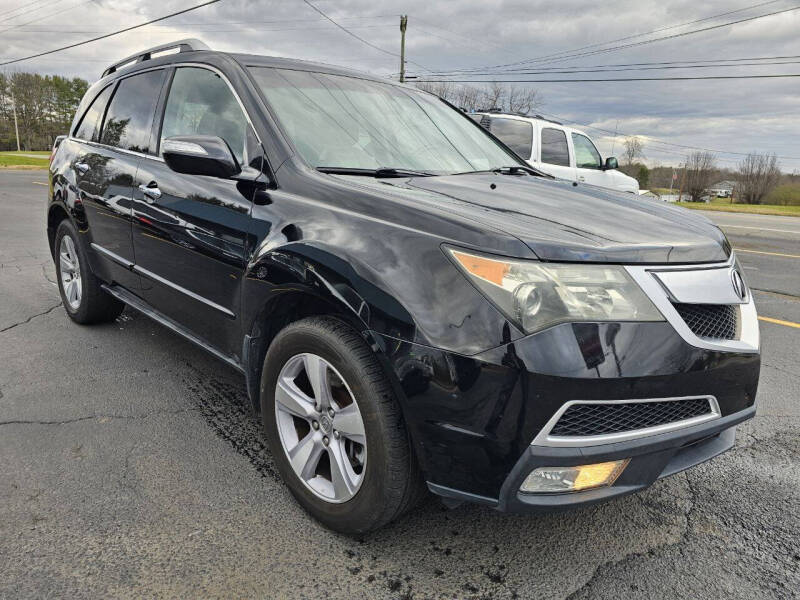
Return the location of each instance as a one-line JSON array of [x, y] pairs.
[[602, 419], [715, 321]]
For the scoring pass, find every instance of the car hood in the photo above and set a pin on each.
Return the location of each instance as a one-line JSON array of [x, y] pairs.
[[561, 221]]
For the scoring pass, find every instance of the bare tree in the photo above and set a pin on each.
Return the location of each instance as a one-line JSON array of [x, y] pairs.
[[504, 97], [634, 148], [700, 168], [758, 175], [521, 99]]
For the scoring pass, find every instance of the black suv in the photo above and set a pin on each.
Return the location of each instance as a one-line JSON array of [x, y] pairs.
[[412, 307]]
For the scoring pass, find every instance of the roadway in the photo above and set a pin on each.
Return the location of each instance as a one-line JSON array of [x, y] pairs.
[[130, 467]]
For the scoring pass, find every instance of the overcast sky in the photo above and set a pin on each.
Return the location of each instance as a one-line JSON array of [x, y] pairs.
[[724, 115]]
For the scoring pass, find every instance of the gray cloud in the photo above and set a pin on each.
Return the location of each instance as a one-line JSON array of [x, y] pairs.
[[732, 115]]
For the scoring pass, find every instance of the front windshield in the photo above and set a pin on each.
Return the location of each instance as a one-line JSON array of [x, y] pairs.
[[337, 121]]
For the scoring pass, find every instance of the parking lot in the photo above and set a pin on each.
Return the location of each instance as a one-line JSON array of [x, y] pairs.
[[130, 466]]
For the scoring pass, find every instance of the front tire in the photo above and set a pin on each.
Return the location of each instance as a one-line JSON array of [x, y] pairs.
[[335, 428], [83, 298]]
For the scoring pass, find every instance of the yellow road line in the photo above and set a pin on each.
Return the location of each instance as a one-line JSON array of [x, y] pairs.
[[779, 322], [768, 253], [38, 183]]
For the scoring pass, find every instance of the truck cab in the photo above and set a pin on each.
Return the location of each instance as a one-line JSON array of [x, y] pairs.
[[556, 149]]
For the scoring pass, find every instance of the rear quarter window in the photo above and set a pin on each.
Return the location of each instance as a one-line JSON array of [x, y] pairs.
[[517, 135], [92, 120]]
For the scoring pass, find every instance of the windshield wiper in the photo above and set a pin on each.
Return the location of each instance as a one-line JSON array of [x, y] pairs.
[[379, 173], [511, 170]]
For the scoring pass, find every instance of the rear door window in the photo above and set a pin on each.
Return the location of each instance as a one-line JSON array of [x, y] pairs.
[[517, 135], [92, 120], [554, 147], [586, 155], [130, 115]]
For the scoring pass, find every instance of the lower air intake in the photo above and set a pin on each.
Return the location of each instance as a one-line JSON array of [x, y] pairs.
[[602, 419]]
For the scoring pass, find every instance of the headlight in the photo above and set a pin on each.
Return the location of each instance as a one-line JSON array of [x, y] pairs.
[[537, 295]]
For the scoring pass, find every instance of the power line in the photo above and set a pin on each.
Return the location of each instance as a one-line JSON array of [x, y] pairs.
[[350, 33], [48, 16], [567, 54], [687, 62], [770, 76], [12, 17], [362, 40], [108, 35], [652, 68], [204, 23]]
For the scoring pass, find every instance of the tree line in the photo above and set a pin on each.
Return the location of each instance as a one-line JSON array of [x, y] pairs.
[[45, 106], [755, 177]]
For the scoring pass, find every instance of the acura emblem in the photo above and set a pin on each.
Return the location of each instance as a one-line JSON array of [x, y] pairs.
[[738, 284]]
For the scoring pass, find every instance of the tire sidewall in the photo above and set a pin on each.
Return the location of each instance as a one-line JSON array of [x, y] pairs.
[[67, 229], [366, 507]]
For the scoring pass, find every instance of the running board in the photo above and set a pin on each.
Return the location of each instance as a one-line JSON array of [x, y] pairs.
[[143, 307]]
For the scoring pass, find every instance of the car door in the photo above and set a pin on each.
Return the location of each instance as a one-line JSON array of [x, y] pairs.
[[588, 164], [190, 231], [104, 181], [554, 153], [514, 133]]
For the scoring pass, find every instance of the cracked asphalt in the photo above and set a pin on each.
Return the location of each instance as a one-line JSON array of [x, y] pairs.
[[130, 467]]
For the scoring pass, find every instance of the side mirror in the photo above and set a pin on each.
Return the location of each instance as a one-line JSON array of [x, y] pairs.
[[200, 155], [611, 163]]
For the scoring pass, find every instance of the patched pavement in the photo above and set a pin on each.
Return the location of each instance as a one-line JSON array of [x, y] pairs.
[[130, 466]]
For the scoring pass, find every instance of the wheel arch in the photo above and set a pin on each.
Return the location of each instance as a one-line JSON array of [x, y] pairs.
[[55, 214], [286, 306]]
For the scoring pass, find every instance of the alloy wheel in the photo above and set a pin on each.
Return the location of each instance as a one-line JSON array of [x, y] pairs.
[[70, 271], [320, 427]]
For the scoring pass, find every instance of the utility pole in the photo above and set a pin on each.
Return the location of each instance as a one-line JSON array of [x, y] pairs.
[[403, 24], [16, 127], [614, 143]]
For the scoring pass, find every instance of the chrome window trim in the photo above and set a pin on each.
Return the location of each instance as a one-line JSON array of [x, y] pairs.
[[169, 66], [749, 338], [116, 149], [545, 439]]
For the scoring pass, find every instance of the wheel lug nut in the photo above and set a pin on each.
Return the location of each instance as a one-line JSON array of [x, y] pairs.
[[315, 425], [336, 435], [330, 413], [325, 440]]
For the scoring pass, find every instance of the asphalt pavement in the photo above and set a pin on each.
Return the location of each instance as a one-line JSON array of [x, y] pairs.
[[130, 467]]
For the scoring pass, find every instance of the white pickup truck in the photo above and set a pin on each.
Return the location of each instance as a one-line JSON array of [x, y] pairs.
[[556, 149]]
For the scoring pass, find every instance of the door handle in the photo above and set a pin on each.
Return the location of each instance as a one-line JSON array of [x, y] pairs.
[[581, 178], [151, 194], [82, 167]]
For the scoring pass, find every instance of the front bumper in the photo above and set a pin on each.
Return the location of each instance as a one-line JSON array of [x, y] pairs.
[[651, 458], [473, 419]]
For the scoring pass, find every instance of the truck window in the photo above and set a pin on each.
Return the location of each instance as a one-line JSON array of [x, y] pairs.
[[130, 114], [554, 147], [586, 155], [517, 135], [89, 129]]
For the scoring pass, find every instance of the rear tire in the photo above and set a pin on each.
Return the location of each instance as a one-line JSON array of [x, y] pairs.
[[83, 298], [389, 482]]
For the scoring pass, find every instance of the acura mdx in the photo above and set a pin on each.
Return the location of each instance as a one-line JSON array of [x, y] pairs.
[[414, 308]]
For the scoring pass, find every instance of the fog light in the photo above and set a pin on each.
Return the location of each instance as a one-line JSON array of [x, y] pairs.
[[551, 480]]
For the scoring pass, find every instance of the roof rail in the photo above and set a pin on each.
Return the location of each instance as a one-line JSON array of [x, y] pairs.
[[187, 45]]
